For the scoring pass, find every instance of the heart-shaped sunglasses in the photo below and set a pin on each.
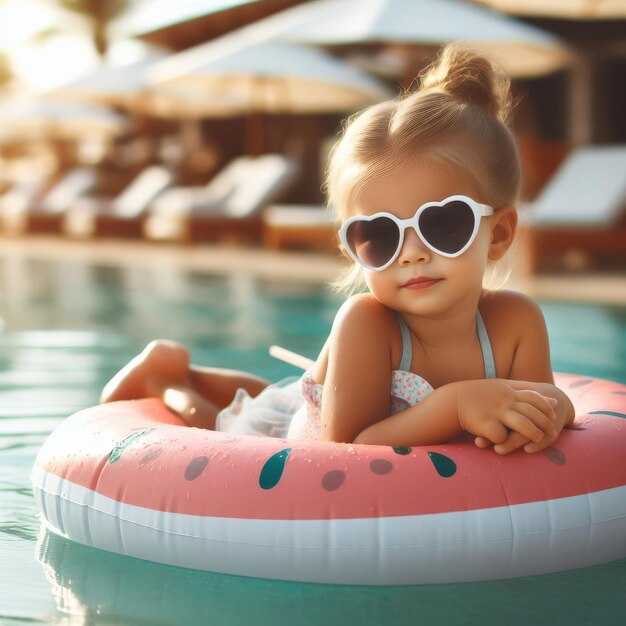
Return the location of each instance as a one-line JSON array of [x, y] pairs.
[[448, 228]]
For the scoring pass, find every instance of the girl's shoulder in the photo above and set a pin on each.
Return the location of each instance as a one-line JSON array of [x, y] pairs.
[[364, 322], [364, 312], [362, 332], [508, 302], [509, 312]]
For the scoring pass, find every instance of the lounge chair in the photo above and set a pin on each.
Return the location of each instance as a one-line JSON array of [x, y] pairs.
[[580, 215], [44, 214], [300, 227], [16, 201], [122, 216], [228, 207]]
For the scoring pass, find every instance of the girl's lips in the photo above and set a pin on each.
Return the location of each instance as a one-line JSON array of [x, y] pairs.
[[421, 283]]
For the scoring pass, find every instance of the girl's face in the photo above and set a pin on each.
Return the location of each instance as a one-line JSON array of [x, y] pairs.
[[455, 282]]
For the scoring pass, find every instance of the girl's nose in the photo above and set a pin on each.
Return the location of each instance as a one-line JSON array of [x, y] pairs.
[[413, 249]]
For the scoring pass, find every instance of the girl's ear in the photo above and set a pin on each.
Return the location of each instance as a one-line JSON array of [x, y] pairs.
[[503, 227]]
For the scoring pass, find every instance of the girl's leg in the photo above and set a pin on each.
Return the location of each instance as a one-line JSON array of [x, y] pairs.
[[197, 394], [208, 391]]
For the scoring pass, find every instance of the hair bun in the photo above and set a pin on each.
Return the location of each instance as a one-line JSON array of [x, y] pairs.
[[470, 77]]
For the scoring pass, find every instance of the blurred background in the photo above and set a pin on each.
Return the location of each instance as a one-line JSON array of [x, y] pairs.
[[212, 119], [161, 168]]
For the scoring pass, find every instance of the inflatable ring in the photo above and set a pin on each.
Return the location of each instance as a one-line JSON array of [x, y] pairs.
[[131, 478]]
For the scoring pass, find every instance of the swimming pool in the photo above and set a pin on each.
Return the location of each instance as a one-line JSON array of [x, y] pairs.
[[68, 326]]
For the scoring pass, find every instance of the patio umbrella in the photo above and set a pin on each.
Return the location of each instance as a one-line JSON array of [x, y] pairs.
[[126, 86], [187, 23], [110, 83], [525, 50], [570, 9], [268, 77]]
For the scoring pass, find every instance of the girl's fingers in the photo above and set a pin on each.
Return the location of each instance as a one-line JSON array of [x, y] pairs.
[[494, 432], [539, 401], [521, 424], [532, 447], [482, 442], [537, 417], [514, 442], [528, 421]]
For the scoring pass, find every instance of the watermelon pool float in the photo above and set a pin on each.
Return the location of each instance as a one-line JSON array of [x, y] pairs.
[[132, 478]]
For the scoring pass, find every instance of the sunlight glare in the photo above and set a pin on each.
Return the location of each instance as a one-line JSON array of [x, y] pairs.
[[21, 20], [56, 61]]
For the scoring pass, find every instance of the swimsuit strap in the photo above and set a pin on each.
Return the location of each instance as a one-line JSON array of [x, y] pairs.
[[407, 346], [485, 346], [483, 338]]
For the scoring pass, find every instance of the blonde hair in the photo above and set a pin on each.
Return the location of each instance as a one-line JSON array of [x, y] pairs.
[[458, 118]]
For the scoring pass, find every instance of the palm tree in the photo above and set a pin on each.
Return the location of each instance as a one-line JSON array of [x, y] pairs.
[[100, 14]]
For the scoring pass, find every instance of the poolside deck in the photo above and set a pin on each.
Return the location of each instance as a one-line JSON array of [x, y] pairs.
[[609, 288]]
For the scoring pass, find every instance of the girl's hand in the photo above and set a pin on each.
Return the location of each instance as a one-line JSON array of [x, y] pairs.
[[564, 415], [492, 409]]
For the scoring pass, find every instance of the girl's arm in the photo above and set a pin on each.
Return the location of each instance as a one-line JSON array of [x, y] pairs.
[[431, 421], [356, 403], [355, 367], [489, 409], [531, 369]]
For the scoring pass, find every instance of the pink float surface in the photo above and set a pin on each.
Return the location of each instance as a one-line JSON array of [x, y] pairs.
[[140, 454]]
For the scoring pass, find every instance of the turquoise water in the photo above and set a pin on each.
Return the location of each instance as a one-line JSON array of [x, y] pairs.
[[67, 327]]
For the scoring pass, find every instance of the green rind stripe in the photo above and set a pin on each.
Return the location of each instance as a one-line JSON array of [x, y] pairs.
[[611, 413]]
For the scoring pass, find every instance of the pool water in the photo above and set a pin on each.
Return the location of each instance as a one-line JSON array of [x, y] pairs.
[[67, 327]]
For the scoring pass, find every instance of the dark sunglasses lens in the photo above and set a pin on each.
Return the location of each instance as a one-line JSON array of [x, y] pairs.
[[374, 241], [447, 228]]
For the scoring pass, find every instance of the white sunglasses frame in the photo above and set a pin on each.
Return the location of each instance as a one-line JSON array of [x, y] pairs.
[[479, 210]]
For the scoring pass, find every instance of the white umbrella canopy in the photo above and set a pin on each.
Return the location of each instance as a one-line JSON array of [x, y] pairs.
[[523, 49], [269, 77], [126, 86], [260, 76], [32, 119], [567, 9], [179, 103], [110, 83]]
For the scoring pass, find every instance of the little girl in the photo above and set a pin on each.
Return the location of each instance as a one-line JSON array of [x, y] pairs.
[[425, 189]]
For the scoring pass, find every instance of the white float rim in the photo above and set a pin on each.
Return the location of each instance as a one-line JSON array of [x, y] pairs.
[[500, 542]]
